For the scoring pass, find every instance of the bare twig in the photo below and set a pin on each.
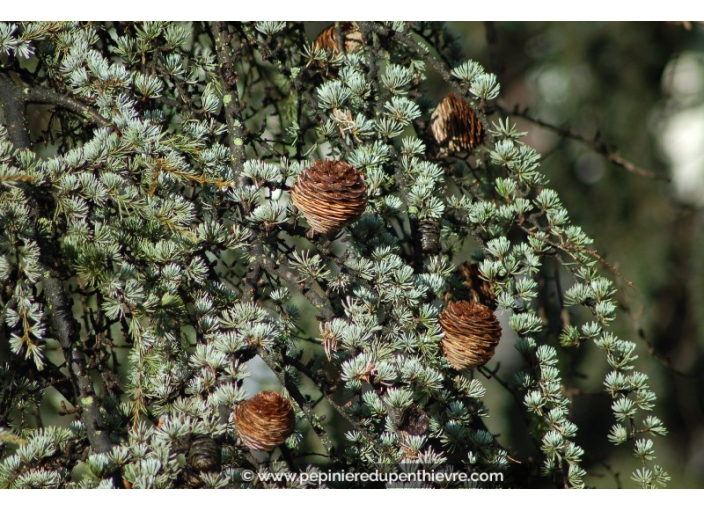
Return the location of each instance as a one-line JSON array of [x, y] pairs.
[[596, 144]]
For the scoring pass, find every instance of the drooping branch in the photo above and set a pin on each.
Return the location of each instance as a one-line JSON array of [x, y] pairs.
[[596, 144]]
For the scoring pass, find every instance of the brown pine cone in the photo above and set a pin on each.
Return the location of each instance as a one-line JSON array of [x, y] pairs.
[[264, 421], [331, 195], [351, 37], [456, 126], [472, 332]]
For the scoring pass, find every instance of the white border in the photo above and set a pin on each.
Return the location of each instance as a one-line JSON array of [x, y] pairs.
[[500, 10], [411, 500], [293, 500]]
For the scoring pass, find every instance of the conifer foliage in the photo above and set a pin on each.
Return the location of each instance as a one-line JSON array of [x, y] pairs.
[[177, 200]]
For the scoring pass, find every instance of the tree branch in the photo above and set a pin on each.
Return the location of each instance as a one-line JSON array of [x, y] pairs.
[[231, 98], [13, 107], [14, 98], [67, 332], [40, 95], [597, 145], [276, 364], [12, 104], [316, 300]]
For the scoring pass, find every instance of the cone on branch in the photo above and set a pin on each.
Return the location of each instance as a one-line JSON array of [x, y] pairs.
[[472, 332], [204, 454], [331, 195], [455, 125], [350, 34], [414, 421], [429, 234], [265, 421]]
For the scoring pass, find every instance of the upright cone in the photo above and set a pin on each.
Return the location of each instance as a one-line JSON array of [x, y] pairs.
[[456, 126], [331, 195], [429, 234], [351, 37], [265, 421], [472, 332]]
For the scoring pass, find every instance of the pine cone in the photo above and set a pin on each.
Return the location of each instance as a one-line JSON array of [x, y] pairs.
[[414, 421], [472, 332], [456, 126], [351, 37], [331, 195], [204, 454], [265, 421], [429, 234]]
